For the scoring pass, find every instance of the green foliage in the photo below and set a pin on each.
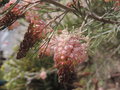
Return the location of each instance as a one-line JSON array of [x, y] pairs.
[[14, 70]]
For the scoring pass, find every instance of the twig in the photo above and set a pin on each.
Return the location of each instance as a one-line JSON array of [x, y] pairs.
[[96, 17], [90, 14], [115, 75], [58, 4]]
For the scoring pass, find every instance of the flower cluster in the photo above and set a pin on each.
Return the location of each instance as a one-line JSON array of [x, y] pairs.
[[11, 16], [37, 30], [68, 51]]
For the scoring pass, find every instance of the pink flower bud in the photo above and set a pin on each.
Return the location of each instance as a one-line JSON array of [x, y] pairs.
[[43, 75]]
